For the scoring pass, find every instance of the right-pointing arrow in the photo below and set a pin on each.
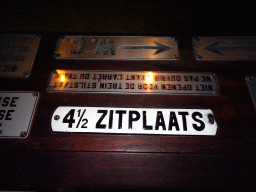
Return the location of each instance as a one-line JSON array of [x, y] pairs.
[[160, 47], [216, 47]]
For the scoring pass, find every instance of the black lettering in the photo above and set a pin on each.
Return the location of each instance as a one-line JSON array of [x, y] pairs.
[[101, 85], [131, 118], [173, 121], [127, 77], [184, 120], [206, 79], [6, 101], [88, 86], [13, 58], [109, 76], [7, 117], [160, 121], [110, 122], [126, 85], [99, 78], [22, 49], [145, 126], [210, 88], [12, 104], [194, 117], [120, 112], [2, 112], [69, 118], [98, 124]]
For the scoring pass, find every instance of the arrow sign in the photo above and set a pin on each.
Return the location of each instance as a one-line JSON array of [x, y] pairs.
[[117, 47], [216, 47], [160, 47]]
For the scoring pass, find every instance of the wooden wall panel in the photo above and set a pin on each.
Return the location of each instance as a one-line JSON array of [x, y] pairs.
[[50, 160]]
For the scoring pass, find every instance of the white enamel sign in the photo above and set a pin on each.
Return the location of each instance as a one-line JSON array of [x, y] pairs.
[[16, 112], [134, 121]]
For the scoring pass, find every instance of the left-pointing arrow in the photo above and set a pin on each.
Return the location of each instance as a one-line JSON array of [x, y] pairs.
[[160, 47], [216, 47]]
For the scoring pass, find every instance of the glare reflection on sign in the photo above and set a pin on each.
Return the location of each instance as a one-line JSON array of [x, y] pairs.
[[133, 82]]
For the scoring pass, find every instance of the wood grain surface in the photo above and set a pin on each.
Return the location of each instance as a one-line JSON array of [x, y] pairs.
[[86, 160]]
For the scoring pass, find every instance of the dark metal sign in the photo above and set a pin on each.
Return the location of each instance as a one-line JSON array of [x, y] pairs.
[[114, 47], [133, 82], [225, 48], [17, 54], [134, 121]]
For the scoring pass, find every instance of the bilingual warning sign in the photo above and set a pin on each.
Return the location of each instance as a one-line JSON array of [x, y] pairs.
[[133, 82]]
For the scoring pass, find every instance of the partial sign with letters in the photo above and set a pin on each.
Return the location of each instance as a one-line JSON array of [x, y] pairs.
[[133, 82], [17, 54], [225, 48], [134, 121], [116, 47], [16, 112]]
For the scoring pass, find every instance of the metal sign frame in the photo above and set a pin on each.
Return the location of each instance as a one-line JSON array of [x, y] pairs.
[[117, 48], [133, 82], [17, 54]]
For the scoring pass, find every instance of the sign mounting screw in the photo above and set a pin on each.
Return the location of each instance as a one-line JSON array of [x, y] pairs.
[[199, 57], [26, 73], [211, 118], [23, 134], [56, 117], [50, 88]]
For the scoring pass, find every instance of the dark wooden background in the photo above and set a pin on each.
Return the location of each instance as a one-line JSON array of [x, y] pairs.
[[47, 160]]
